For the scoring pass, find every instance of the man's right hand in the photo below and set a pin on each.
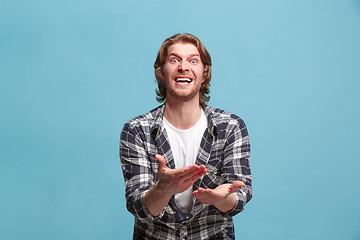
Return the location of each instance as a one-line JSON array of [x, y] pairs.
[[171, 181], [175, 181]]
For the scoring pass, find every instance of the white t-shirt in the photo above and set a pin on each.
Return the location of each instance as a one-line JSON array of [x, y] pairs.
[[185, 147]]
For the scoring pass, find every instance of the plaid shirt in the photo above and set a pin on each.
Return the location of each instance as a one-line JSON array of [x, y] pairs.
[[224, 150]]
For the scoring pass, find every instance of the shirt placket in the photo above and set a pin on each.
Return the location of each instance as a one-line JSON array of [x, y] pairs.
[[183, 233]]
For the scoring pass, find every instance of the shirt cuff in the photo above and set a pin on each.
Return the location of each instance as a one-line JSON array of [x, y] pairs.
[[146, 212]]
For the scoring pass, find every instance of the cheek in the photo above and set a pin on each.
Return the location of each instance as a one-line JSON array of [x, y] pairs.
[[202, 73], [167, 72]]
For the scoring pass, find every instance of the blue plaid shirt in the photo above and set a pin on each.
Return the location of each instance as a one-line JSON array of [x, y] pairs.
[[224, 150]]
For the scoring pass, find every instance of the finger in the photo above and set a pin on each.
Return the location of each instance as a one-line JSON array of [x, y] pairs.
[[203, 192], [200, 189], [199, 174], [193, 176], [235, 185], [161, 160], [204, 196], [189, 170]]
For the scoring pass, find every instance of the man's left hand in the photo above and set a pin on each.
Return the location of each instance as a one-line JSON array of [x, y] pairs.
[[221, 197]]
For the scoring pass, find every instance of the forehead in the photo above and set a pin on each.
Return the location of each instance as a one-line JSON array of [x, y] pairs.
[[183, 49]]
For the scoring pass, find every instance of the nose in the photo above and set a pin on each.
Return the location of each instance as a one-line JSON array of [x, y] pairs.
[[183, 66]]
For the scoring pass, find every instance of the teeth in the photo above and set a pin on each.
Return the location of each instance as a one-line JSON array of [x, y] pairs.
[[183, 80]]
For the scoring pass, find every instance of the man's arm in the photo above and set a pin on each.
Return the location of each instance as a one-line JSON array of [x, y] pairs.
[[171, 181], [139, 177], [236, 172]]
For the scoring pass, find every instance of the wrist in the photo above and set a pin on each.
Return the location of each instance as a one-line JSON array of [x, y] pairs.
[[156, 199], [227, 203], [161, 191]]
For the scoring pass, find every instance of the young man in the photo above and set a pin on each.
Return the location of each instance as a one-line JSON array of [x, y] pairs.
[[185, 164]]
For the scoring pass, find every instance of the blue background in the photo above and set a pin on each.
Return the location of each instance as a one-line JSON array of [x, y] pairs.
[[73, 72]]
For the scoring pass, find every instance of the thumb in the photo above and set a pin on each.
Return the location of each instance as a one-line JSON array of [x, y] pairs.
[[161, 161], [235, 185]]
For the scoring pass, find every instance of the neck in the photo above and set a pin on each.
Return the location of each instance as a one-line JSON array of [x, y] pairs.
[[182, 115]]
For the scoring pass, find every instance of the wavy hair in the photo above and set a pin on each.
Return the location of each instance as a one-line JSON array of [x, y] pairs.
[[161, 58]]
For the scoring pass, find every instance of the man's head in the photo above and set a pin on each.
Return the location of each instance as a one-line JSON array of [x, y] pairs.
[[163, 55]]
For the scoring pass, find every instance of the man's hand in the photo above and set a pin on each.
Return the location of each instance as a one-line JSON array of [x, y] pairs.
[[175, 181], [171, 181], [221, 197]]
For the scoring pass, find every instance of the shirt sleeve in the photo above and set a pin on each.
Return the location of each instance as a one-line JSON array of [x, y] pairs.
[[138, 175], [236, 164]]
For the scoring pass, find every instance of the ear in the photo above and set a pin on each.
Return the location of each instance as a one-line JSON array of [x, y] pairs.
[[204, 74], [160, 74]]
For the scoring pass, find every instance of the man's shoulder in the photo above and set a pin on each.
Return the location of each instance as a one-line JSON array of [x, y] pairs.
[[221, 116], [147, 118], [226, 122]]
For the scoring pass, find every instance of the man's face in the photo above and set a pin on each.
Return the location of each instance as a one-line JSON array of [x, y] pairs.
[[183, 72]]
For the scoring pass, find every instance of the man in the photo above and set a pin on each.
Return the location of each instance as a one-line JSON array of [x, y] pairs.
[[185, 164]]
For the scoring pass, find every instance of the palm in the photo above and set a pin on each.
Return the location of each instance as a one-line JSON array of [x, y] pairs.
[[220, 193], [177, 180]]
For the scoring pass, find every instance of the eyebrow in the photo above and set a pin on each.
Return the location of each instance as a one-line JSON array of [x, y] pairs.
[[192, 55]]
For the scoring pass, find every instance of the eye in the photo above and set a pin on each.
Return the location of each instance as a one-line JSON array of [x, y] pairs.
[[174, 60], [194, 61]]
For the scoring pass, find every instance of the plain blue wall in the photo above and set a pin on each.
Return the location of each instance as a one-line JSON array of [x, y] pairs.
[[73, 72]]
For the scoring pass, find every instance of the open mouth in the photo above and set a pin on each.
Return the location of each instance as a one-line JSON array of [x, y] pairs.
[[183, 80]]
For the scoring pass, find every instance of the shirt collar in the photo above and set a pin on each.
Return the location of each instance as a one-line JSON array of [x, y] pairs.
[[158, 113], [212, 128]]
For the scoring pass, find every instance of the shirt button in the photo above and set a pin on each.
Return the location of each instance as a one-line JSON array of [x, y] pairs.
[[183, 231]]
